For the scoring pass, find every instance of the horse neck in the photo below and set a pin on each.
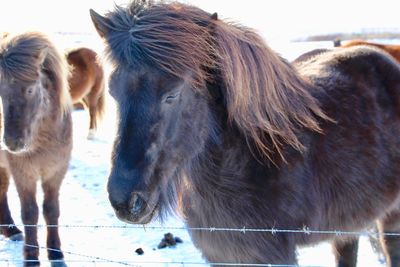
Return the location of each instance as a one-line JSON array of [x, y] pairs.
[[225, 170]]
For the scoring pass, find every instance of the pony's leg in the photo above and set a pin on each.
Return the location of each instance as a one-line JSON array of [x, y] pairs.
[[51, 212], [10, 231], [92, 105], [391, 244], [95, 101], [87, 100], [29, 214], [345, 252], [93, 127]]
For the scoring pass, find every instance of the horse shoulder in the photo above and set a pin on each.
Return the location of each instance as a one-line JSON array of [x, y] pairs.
[[375, 69]]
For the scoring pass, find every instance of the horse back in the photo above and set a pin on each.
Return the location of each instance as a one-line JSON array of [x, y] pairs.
[[357, 71], [356, 161], [393, 50]]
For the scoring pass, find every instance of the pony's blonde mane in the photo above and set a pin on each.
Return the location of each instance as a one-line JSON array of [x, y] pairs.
[[24, 56], [264, 95]]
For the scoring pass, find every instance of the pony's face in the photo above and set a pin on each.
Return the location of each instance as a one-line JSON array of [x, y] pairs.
[[22, 107], [162, 125]]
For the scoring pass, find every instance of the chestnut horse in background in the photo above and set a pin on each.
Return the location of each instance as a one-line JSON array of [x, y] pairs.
[[36, 118], [393, 50], [216, 126], [87, 84]]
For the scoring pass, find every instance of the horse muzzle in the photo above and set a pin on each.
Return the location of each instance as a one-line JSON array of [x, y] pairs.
[[138, 209], [15, 145]]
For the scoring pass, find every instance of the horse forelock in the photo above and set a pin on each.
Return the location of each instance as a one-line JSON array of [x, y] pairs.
[[264, 95], [20, 59], [23, 57], [173, 37]]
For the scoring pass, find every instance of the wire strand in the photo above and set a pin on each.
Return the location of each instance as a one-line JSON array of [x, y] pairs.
[[304, 230]]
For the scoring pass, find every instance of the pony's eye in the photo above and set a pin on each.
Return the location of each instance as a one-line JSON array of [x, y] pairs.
[[169, 99], [29, 91]]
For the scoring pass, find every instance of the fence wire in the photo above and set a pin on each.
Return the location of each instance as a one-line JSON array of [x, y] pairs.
[[304, 230], [95, 259]]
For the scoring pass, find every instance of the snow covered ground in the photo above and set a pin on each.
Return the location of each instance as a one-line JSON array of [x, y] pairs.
[[91, 235]]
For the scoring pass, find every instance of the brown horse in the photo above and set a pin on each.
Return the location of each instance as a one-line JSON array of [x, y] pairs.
[[37, 135], [87, 84], [217, 127], [393, 50]]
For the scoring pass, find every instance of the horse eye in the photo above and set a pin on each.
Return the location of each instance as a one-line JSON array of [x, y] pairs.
[[29, 91], [171, 98]]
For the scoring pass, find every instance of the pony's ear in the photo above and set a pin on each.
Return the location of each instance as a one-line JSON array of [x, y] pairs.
[[214, 16], [102, 24], [41, 56]]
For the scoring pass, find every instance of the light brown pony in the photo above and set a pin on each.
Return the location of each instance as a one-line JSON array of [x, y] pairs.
[[87, 84], [37, 135], [393, 50]]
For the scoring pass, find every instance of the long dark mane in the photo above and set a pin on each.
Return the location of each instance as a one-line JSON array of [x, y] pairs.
[[180, 39], [22, 56]]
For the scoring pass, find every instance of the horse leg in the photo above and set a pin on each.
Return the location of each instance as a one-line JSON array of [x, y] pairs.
[[92, 115], [93, 122], [391, 244], [345, 252], [9, 231], [96, 103], [29, 214], [51, 212]]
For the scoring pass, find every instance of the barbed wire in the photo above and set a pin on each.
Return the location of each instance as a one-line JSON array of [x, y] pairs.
[[183, 264], [96, 259], [304, 230], [244, 230]]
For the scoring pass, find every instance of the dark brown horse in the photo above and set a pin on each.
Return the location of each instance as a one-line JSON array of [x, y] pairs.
[[393, 50], [37, 135], [87, 84], [217, 127]]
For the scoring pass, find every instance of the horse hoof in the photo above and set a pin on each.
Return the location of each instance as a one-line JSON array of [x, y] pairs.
[[91, 134], [17, 237], [58, 263]]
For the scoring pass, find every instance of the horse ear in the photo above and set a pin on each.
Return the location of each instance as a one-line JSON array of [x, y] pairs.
[[102, 24], [214, 16], [41, 56]]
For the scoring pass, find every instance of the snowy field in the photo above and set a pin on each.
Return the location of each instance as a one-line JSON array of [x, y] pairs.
[[91, 235]]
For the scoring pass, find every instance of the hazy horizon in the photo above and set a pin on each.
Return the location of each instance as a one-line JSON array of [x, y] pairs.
[[283, 19]]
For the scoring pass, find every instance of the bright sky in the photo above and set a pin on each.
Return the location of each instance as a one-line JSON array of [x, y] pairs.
[[279, 19]]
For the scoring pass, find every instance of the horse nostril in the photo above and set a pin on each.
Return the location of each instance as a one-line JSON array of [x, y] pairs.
[[15, 144], [137, 204]]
